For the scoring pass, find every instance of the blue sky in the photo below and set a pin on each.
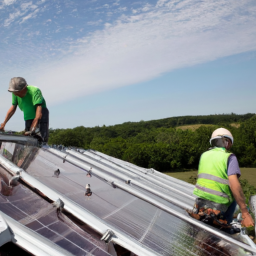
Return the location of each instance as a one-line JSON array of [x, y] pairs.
[[108, 62]]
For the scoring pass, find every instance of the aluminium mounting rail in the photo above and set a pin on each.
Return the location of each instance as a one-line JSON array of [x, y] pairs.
[[97, 172], [123, 174], [85, 216], [168, 180], [125, 187], [155, 175], [151, 171], [117, 169], [20, 139]]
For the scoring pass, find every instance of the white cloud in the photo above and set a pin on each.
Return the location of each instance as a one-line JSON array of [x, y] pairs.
[[160, 3], [116, 3], [107, 25], [9, 2], [82, 40], [122, 9], [94, 23], [140, 47], [24, 8], [12, 17], [29, 16], [146, 8]]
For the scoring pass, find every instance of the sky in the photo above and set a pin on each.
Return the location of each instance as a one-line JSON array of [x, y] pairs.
[[108, 62]]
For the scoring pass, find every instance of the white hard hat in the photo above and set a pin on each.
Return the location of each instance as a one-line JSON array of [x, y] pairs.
[[221, 132]]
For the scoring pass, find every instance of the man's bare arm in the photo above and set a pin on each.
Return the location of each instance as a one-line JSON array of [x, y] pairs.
[[37, 118], [10, 113], [240, 199]]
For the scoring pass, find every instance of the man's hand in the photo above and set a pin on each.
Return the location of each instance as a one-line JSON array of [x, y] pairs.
[[2, 127], [28, 133], [247, 220], [10, 113]]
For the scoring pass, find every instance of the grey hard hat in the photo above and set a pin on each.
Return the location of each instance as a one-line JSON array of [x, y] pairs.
[[17, 84]]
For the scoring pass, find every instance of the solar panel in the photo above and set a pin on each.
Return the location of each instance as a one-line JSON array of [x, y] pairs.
[[32, 211], [151, 226], [144, 222]]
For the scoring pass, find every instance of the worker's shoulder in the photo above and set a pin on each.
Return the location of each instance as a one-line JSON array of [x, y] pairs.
[[33, 89], [232, 156]]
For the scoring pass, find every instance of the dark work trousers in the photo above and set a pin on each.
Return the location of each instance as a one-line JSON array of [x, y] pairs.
[[43, 124], [228, 215]]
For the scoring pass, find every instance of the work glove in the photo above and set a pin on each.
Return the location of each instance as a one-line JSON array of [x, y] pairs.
[[247, 220]]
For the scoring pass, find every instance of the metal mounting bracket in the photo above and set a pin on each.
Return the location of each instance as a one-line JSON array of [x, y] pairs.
[[14, 180], [107, 236], [59, 204]]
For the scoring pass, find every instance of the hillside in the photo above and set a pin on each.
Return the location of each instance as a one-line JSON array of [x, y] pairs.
[[167, 144]]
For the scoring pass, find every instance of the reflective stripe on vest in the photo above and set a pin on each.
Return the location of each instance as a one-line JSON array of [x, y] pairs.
[[212, 177], [211, 191]]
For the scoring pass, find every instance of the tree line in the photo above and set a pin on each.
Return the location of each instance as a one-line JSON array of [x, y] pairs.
[[163, 144]]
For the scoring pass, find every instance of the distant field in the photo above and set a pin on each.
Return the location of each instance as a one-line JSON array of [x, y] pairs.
[[182, 175], [235, 125], [192, 127], [247, 173]]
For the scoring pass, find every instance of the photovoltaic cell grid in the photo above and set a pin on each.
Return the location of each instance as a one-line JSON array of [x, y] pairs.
[[29, 209], [160, 231]]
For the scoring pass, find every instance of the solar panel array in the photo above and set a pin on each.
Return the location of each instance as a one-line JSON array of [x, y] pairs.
[[29, 209], [151, 226]]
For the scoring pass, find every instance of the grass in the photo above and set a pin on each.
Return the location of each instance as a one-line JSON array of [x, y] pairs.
[[236, 125], [182, 175], [192, 127], [247, 173]]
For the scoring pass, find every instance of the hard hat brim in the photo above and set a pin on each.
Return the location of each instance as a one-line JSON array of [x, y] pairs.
[[12, 90], [221, 136]]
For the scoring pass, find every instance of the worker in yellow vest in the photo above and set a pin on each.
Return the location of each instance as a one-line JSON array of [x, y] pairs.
[[218, 188]]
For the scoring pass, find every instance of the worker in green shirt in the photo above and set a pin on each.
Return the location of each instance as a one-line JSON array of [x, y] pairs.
[[31, 101]]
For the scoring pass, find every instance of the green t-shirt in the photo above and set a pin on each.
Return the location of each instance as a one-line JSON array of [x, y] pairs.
[[29, 102]]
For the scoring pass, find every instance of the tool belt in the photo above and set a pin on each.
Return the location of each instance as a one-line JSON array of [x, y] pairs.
[[213, 214], [209, 212]]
